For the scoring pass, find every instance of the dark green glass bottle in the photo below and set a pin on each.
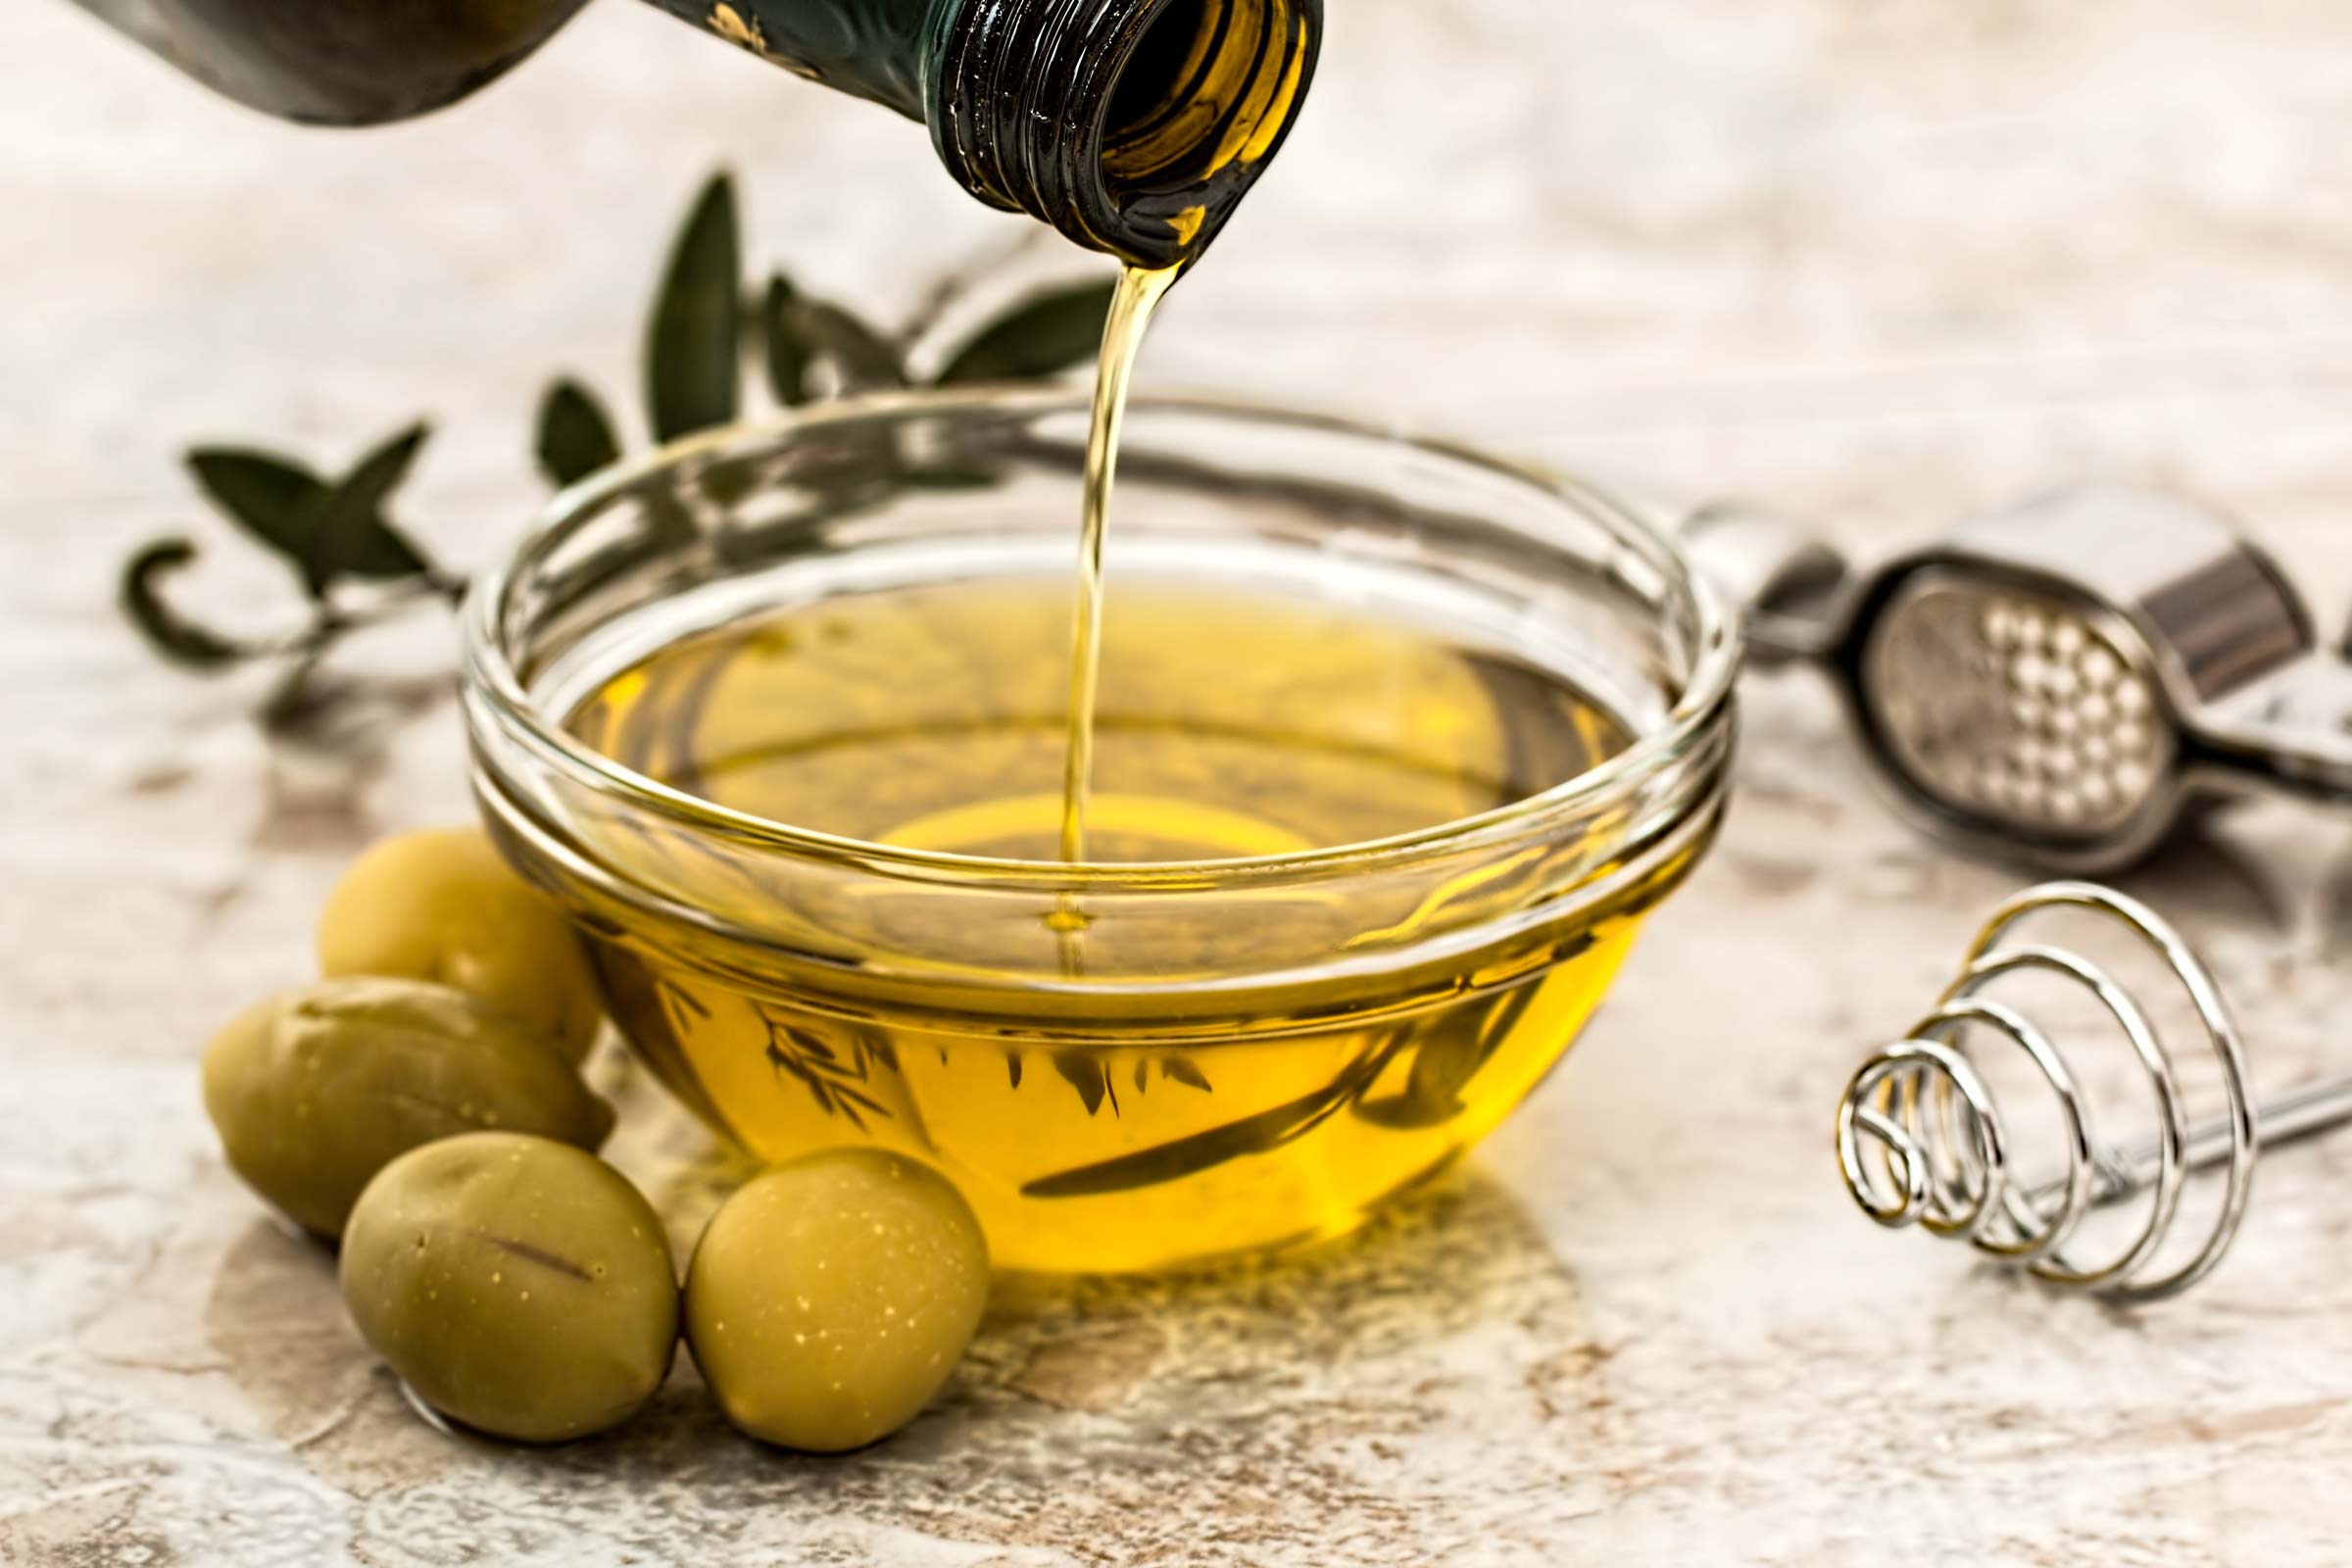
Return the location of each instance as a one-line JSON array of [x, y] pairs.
[[1133, 126]]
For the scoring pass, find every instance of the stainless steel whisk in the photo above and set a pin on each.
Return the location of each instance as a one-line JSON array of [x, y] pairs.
[[2058, 682], [1921, 1139]]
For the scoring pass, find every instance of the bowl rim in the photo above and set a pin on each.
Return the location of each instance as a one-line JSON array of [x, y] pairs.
[[495, 695]]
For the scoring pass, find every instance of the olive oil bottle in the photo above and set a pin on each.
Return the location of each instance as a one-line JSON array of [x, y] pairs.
[[1133, 126]]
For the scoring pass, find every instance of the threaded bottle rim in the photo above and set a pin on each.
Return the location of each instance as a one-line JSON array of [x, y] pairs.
[[1133, 126]]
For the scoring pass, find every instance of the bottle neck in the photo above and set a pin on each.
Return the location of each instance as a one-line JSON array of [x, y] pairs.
[[867, 48], [1133, 126]]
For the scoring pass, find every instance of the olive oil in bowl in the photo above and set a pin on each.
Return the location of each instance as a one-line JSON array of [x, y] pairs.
[[1393, 752], [1228, 724]]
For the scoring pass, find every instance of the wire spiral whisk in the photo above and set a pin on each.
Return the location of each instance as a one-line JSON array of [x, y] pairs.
[[1921, 1139]]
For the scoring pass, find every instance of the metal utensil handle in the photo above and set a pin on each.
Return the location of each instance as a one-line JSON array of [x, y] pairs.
[[2292, 728], [1784, 576], [2125, 1173]]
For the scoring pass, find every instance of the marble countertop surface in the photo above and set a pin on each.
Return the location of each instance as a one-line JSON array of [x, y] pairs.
[[1881, 265]]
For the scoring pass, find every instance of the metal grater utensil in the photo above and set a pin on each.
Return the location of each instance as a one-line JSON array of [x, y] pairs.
[[2057, 683]]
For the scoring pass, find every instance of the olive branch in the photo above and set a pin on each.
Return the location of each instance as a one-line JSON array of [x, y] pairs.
[[836, 1081], [356, 567]]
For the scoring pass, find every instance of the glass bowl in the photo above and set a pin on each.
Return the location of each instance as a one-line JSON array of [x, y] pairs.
[[1256, 1051]]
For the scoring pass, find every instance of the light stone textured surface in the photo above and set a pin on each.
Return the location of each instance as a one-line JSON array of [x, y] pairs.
[[1881, 263]]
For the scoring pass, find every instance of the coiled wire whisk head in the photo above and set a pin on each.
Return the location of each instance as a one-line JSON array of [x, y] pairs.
[[1938, 1153]]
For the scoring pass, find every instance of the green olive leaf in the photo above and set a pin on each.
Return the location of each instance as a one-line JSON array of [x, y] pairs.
[[576, 435], [280, 504], [861, 358], [1444, 1060], [1264, 1133], [833, 1084], [873, 1044], [789, 352], [1181, 1069], [693, 372], [345, 531], [1087, 1075], [169, 633], [265, 495], [1041, 336]]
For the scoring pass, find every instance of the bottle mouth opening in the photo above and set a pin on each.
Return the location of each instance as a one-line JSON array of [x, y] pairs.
[[1196, 107], [1134, 127], [1199, 100]]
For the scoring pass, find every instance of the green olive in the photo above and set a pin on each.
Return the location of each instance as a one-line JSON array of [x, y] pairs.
[[829, 1300], [515, 1284], [317, 1089], [441, 905]]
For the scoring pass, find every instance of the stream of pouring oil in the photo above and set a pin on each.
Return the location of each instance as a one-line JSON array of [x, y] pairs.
[[1139, 294]]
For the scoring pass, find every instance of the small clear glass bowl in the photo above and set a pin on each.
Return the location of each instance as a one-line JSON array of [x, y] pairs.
[[1393, 999]]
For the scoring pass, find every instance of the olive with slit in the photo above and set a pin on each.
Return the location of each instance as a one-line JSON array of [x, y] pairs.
[[442, 904], [317, 1089], [829, 1300], [517, 1285]]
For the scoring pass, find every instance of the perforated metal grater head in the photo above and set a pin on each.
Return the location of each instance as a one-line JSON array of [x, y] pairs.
[[2056, 683], [2016, 706]]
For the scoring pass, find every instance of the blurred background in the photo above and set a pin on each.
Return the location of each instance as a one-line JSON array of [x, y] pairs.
[[1877, 261], [1880, 264]]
